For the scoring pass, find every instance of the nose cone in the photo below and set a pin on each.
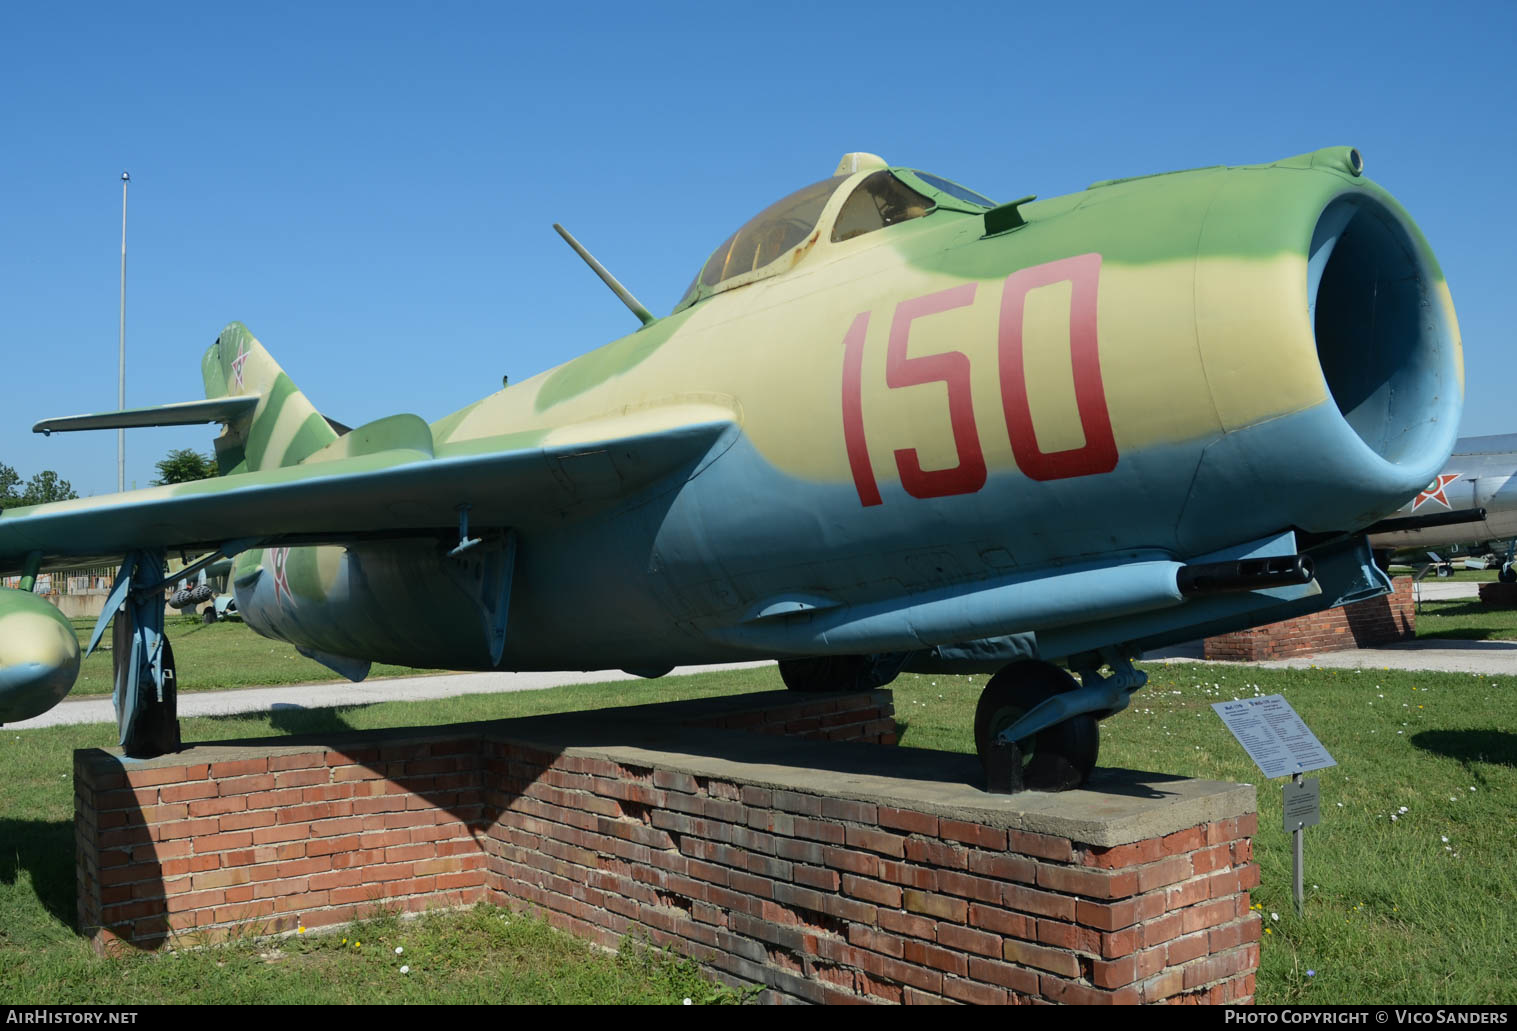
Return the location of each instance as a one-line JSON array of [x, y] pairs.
[[39, 656], [1332, 354]]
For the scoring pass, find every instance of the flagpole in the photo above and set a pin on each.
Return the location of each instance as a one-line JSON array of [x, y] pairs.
[[121, 357]]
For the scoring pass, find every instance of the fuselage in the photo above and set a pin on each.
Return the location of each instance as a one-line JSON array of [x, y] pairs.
[[1154, 368]]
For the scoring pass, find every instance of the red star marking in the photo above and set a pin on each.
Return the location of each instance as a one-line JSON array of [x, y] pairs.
[[278, 558], [1435, 492], [237, 364]]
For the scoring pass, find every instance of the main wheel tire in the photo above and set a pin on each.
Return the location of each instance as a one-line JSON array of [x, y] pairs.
[[1508, 575], [209, 615], [1056, 758], [827, 673]]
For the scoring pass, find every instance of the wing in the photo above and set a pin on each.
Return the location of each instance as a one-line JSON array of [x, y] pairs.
[[347, 493]]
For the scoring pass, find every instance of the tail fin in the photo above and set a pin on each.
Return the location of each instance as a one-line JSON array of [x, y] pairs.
[[284, 429]]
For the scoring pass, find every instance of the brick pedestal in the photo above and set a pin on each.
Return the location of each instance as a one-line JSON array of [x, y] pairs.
[[1498, 595], [834, 871], [1391, 617]]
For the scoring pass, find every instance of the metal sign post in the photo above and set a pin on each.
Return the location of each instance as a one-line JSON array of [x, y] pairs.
[[121, 354], [1302, 808], [1281, 745], [1298, 860]]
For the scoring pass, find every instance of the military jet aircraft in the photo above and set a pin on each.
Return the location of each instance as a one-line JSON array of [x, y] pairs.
[[1478, 479], [892, 425]]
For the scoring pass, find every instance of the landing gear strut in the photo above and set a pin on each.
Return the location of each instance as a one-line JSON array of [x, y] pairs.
[[1056, 758], [145, 685], [1035, 727], [148, 725]]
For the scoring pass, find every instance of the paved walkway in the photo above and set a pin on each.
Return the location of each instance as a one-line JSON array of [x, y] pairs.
[[330, 695], [1430, 653], [1445, 590]]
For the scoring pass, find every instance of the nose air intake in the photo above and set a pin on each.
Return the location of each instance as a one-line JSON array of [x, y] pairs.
[[1381, 333]]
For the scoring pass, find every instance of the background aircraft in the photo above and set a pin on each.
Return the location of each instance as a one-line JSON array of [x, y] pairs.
[[1478, 476], [892, 425]]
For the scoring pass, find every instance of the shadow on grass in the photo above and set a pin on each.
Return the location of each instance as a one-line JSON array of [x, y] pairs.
[[1496, 747], [297, 719], [292, 719], [45, 849], [1463, 607]]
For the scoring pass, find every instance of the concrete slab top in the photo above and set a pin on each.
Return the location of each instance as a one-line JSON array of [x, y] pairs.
[[1117, 807]]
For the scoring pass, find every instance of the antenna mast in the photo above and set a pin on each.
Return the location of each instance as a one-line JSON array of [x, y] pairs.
[[643, 314]]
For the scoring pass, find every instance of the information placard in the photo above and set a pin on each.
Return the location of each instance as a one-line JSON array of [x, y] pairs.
[[1276, 739]]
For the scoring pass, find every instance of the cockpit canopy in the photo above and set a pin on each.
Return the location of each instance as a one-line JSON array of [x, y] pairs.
[[793, 225]]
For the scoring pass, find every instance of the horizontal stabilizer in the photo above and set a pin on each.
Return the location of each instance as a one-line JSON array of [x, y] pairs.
[[184, 413]]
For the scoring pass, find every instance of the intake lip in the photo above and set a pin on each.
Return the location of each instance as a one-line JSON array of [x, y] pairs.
[[1333, 362], [1383, 338]]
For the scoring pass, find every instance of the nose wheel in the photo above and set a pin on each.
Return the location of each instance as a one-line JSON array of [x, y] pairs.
[[1057, 758]]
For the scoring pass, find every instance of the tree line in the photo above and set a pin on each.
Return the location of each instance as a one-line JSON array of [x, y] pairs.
[[39, 490], [180, 466]]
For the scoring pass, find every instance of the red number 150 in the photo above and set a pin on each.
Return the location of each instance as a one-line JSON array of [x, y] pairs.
[[1097, 455]]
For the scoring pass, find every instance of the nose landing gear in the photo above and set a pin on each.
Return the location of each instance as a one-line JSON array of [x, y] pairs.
[[1035, 726], [1056, 758]]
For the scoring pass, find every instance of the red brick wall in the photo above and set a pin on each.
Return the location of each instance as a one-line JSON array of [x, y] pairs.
[[1392, 617], [264, 843], [830, 900], [816, 895], [1498, 595], [264, 839]]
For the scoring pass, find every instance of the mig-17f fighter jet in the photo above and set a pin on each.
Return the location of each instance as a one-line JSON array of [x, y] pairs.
[[893, 425]]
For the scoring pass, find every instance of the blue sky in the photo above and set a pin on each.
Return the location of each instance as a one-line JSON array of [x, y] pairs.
[[371, 187]]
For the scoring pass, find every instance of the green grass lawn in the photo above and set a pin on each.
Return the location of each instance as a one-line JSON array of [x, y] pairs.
[[218, 657], [480, 956], [1466, 619], [1394, 912]]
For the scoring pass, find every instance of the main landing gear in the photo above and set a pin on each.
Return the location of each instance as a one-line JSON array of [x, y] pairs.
[[841, 672], [826, 673]]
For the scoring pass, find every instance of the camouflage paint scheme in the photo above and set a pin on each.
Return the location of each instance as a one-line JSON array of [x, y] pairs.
[[936, 440]]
